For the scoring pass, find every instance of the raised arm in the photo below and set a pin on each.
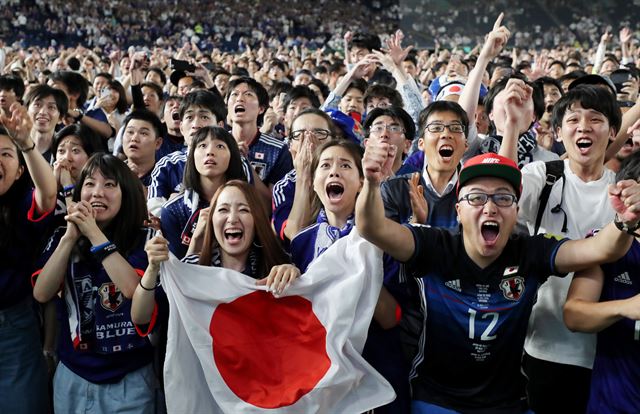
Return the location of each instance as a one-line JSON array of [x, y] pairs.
[[584, 313], [19, 127], [610, 243], [388, 235], [143, 300], [495, 42]]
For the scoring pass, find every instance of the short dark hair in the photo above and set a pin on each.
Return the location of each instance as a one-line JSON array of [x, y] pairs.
[[12, 83], [590, 97], [366, 41], [630, 168], [324, 89], [548, 80], [301, 91], [44, 91], [90, 142], [558, 62], [156, 69], [383, 91], [157, 89], [537, 95], [442, 106], [205, 99], [147, 116], [170, 98], [235, 170], [394, 112], [277, 88], [359, 84], [318, 112], [261, 92], [576, 74], [124, 228], [75, 83], [105, 75]]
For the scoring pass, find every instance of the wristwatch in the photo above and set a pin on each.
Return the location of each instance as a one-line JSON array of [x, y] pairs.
[[80, 113], [625, 227]]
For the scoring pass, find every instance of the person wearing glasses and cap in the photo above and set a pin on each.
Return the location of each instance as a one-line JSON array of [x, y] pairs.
[[477, 285]]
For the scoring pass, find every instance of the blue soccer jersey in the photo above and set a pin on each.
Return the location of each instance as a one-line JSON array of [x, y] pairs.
[[270, 158], [178, 220], [282, 199], [475, 320], [615, 382]]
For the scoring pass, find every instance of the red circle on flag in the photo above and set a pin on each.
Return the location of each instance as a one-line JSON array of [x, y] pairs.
[[270, 352], [455, 88]]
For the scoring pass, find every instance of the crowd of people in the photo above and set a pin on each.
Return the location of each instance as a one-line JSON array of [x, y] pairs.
[[471, 170]]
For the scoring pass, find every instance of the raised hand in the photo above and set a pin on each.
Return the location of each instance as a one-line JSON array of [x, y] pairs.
[[625, 199], [625, 35], [378, 161], [419, 205], [394, 48], [496, 39], [18, 125], [279, 278], [62, 172]]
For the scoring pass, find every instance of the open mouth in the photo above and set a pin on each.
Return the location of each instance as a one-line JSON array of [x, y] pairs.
[[549, 108], [584, 143], [210, 161], [490, 231], [98, 206], [446, 151], [233, 234], [133, 147], [239, 109], [628, 143], [335, 191]]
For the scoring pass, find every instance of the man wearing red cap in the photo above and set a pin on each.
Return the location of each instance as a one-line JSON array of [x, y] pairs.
[[477, 286]]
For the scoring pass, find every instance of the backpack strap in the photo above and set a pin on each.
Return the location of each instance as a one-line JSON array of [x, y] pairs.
[[555, 172]]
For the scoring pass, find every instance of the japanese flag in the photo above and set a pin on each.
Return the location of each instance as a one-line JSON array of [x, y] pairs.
[[234, 348]]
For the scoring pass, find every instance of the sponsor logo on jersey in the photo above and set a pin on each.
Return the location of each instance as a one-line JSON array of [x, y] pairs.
[[552, 236], [259, 156], [513, 287], [454, 285], [623, 278], [110, 296], [510, 271]]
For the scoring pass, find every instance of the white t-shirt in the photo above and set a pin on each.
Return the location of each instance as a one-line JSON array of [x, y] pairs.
[[587, 206]]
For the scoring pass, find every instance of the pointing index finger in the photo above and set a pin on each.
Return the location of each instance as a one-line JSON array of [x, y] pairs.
[[498, 22]]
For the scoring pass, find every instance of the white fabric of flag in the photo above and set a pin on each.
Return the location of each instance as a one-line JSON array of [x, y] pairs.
[[234, 348]]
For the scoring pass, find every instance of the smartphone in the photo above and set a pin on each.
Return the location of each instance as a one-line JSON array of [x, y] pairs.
[[182, 65], [619, 77], [105, 92]]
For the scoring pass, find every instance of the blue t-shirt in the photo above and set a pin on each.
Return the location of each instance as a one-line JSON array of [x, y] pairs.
[[18, 256], [97, 339], [615, 381], [475, 320]]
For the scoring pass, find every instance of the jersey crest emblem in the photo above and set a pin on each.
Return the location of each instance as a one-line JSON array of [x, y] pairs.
[[110, 296], [512, 288]]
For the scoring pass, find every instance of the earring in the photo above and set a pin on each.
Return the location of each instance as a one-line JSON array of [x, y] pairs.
[[259, 246]]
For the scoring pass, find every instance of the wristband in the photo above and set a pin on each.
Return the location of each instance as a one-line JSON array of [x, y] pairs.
[[102, 252], [94, 249], [67, 190], [625, 228], [149, 289], [24, 150]]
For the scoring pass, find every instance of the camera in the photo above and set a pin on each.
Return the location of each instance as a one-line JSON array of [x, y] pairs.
[[182, 65]]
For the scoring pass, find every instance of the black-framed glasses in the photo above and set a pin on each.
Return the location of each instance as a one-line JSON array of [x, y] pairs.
[[379, 129], [319, 133], [480, 199], [438, 127]]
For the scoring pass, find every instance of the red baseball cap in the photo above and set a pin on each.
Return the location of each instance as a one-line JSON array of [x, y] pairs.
[[491, 165]]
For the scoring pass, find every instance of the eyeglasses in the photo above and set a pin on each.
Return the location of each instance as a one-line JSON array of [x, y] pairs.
[[453, 128], [480, 199], [319, 133], [379, 129]]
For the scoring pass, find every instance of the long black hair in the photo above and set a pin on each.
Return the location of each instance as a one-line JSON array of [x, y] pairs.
[[124, 228], [235, 171]]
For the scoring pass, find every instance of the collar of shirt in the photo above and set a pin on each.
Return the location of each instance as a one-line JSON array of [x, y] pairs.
[[451, 185]]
